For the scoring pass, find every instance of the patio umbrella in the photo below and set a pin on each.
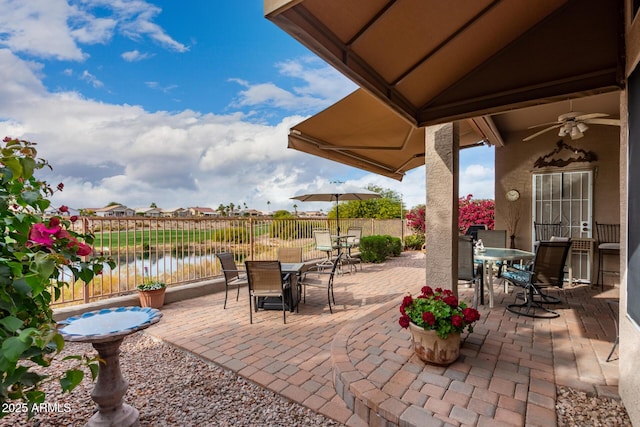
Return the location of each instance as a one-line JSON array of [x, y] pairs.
[[337, 193]]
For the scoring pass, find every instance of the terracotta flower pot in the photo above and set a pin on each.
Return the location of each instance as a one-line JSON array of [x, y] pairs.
[[153, 299], [430, 348]]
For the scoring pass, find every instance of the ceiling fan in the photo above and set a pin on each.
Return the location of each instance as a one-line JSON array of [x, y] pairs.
[[574, 124]]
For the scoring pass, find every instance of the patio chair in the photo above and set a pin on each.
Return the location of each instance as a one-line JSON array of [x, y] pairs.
[[468, 271], [319, 283], [325, 244], [473, 230], [494, 239], [608, 244], [547, 271], [352, 242], [290, 254], [266, 280], [293, 255], [232, 275], [544, 231]]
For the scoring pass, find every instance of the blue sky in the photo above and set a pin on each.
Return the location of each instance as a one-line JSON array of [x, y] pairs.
[[176, 103]]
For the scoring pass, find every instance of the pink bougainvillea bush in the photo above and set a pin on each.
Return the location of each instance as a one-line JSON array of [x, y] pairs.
[[38, 254]]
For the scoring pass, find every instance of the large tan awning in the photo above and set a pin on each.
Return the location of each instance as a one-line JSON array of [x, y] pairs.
[[363, 132], [435, 61]]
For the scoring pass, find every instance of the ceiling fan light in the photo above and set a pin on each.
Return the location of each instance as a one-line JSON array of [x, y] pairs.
[[576, 133], [582, 127]]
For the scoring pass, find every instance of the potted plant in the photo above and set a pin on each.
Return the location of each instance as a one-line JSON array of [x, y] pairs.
[[151, 293], [436, 318]]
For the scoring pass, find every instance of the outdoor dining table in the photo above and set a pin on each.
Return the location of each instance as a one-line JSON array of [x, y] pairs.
[[490, 256], [291, 293], [339, 238]]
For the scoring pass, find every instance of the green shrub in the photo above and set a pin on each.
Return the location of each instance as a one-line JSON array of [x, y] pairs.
[[395, 245], [414, 241], [231, 235], [376, 249]]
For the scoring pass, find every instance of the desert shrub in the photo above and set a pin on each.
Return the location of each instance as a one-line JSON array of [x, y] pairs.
[[414, 241], [231, 235], [377, 248]]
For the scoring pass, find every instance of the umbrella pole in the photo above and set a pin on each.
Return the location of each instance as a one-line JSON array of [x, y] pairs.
[[337, 215]]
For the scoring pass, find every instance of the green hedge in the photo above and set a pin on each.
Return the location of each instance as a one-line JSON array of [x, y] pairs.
[[376, 249]]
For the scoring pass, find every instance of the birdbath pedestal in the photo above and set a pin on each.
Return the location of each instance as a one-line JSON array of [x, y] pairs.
[[105, 330]]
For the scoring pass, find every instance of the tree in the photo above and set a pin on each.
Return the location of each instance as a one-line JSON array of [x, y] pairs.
[[388, 206], [416, 219], [113, 204], [282, 214], [222, 209], [153, 205], [470, 211], [295, 209], [475, 211]]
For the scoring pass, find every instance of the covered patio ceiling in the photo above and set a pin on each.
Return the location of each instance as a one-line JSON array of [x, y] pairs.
[[495, 66], [439, 61]]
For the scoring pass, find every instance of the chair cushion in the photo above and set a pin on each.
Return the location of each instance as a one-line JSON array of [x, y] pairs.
[[609, 246], [516, 276]]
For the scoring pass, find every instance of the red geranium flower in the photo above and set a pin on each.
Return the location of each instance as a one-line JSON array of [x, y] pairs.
[[457, 321], [404, 321], [429, 318]]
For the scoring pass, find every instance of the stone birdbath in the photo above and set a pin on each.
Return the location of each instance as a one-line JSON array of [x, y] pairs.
[[105, 329]]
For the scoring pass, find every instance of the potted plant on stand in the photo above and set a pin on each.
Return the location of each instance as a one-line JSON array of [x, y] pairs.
[[151, 293], [436, 318]]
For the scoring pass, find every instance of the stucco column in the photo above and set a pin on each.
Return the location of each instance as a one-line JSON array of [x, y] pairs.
[[441, 161]]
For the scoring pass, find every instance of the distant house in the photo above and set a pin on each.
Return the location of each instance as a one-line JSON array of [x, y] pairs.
[[311, 214], [175, 213], [149, 212], [114, 211], [250, 212], [199, 211]]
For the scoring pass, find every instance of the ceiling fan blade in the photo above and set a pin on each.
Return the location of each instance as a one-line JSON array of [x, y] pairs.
[[610, 122], [530, 137], [590, 116], [544, 124]]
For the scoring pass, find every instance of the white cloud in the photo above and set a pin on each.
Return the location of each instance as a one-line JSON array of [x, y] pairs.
[[322, 85], [105, 152], [91, 79], [56, 28], [135, 55], [477, 179]]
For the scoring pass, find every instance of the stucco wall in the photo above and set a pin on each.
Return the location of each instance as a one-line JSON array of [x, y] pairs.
[[514, 170], [629, 350]]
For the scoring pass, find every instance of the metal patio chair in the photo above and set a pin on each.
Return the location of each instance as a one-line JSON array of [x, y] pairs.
[[608, 244], [468, 271], [232, 275], [547, 271], [266, 280], [325, 244], [319, 283]]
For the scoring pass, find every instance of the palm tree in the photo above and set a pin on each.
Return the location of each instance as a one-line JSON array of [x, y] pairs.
[[268, 207], [295, 209]]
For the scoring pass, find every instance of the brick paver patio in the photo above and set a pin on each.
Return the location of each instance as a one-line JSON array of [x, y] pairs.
[[356, 365]]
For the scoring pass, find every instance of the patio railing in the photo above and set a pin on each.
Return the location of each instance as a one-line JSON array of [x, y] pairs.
[[182, 250]]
